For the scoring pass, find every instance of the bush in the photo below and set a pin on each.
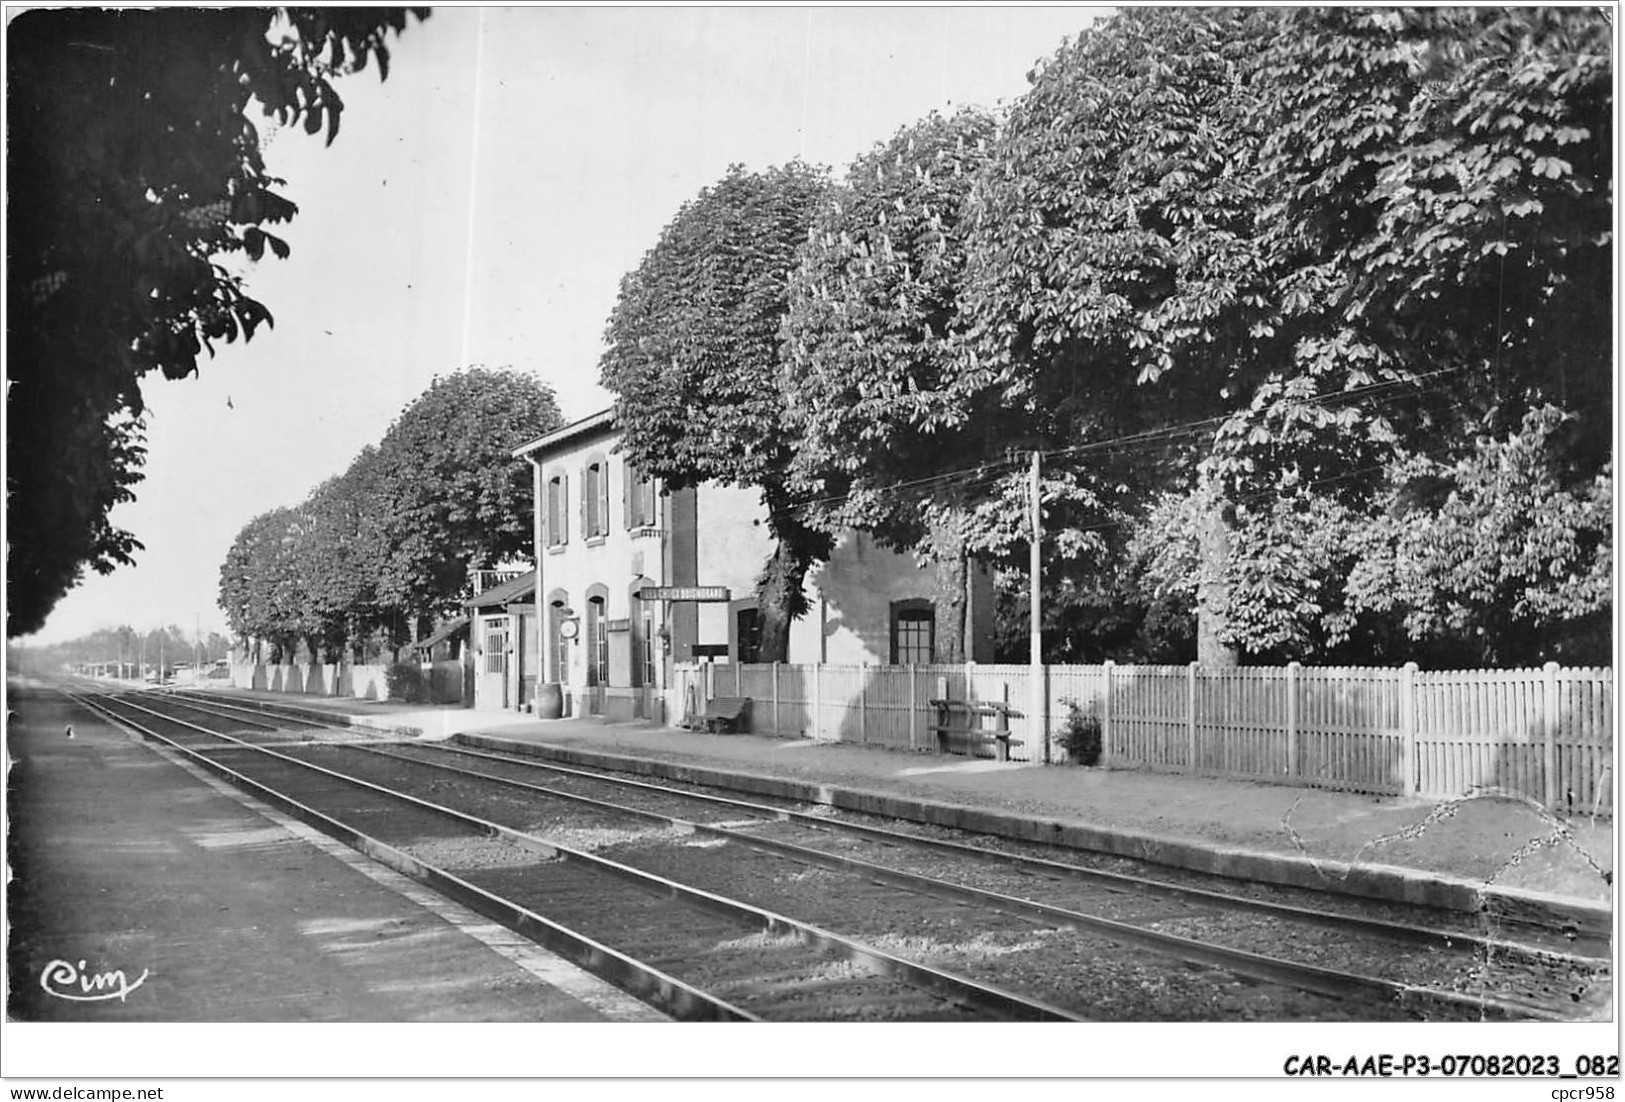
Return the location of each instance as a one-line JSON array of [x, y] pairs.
[[405, 682], [1080, 736]]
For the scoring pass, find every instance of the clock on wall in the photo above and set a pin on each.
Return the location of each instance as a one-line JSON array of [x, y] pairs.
[[568, 629]]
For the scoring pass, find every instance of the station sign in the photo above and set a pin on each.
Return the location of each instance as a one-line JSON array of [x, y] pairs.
[[709, 650], [685, 593]]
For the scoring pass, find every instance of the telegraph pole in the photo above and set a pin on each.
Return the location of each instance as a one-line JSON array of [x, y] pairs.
[[1035, 631]]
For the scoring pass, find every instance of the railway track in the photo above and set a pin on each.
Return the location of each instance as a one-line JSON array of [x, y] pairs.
[[694, 954], [1089, 943]]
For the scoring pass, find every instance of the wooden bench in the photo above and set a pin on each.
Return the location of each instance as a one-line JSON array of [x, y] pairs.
[[724, 715], [964, 723]]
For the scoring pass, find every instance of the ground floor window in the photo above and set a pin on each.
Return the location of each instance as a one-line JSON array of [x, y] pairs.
[[913, 633], [597, 643], [748, 633], [558, 662]]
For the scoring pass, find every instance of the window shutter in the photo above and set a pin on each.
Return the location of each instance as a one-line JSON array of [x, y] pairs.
[[546, 506], [603, 498], [629, 492], [564, 508], [586, 496]]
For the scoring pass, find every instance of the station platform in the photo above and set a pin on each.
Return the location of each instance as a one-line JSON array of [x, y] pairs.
[[1481, 853], [146, 890]]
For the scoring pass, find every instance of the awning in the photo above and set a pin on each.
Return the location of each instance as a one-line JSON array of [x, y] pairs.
[[508, 592], [445, 632]]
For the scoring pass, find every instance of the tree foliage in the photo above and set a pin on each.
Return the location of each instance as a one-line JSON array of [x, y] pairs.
[[693, 359], [137, 190], [1334, 248], [870, 383], [1268, 287], [448, 494], [259, 590], [387, 545]]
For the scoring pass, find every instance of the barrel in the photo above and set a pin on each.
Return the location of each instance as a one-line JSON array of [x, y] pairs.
[[549, 700]]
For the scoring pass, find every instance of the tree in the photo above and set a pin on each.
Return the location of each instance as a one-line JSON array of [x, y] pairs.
[[259, 588], [1506, 565], [1287, 235], [693, 359], [1114, 279], [340, 552], [447, 494], [870, 383], [137, 178]]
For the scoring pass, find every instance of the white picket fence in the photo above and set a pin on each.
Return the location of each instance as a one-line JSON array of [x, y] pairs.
[[363, 682], [1545, 734]]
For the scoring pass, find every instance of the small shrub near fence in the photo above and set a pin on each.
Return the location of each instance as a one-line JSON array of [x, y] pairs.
[[1544, 734], [1080, 735], [407, 683]]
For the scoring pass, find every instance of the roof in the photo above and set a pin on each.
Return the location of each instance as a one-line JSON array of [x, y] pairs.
[[602, 421], [446, 632], [508, 591]]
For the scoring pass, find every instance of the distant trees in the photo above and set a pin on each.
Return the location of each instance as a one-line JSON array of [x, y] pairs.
[[137, 188], [386, 546], [124, 645]]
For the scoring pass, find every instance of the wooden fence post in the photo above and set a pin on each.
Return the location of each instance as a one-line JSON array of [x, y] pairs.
[[863, 703], [1549, 730], [913, 708], [1407, 728], [1190, 714], [739, 679], [1106, 716], [776, 727], [1292, 669], [818, 698]]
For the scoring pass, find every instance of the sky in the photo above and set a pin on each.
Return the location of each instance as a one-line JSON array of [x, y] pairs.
[[481, 206]]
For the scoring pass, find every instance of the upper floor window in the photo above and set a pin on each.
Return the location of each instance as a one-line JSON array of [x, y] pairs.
[[913, 633], [640, 499], [557, 532], [595, 500], [641, 507]]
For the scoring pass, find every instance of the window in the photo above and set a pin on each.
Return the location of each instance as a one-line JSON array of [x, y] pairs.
[[556, 511], [649, 649], [558, 665], [748, 632], [595, 500], [913, 633], [597, 643], [640, 499], [642, 627]]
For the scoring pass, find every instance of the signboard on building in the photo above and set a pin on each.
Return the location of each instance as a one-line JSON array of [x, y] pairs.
[[618, 625], [709, 650], [685, 593]]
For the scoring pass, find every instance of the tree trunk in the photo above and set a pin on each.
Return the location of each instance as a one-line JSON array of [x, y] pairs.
[[779, 596], [1213, 589], [952, 590], [780, 579]]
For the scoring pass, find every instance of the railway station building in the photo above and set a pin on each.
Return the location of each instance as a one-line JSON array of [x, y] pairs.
[[631, 579]]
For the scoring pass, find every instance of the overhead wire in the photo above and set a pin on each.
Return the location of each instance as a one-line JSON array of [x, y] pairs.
[[990, 472]]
